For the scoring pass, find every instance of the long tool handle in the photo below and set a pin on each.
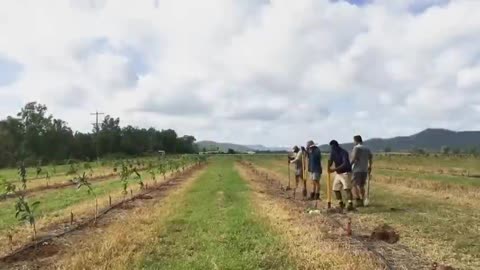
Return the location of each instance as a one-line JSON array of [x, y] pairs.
[[329, 190]]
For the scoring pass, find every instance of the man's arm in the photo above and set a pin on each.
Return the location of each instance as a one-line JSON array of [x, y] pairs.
[[297, 157], [344, 163], [354, 156]]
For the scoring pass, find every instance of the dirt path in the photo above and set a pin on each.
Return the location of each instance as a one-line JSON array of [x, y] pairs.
[[330, 228], [61, 240]]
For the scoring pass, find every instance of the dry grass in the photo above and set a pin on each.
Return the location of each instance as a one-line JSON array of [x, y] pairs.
[[310, 242], [438, 223], [117, 245]]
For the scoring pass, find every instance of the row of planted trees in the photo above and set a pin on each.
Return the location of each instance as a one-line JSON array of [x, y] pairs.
[[128, 170]]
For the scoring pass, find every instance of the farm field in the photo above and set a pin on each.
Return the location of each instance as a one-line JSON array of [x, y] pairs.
[[233, 212], [436, 213]]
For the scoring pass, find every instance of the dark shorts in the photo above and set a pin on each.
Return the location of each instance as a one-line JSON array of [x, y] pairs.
[[359, 178]]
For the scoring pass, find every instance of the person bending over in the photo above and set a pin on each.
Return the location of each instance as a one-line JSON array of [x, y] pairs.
[[343, 169]]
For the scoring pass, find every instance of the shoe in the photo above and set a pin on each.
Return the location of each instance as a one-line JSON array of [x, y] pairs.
[[341, 205], [359, 203], [317, 196], [312, 196], [350, 207], [304, 192]]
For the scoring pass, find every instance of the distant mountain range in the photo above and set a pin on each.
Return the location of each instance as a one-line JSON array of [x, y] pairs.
[[223, 147], [431, 140]]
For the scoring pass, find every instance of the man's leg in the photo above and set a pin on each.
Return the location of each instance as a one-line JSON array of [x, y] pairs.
[[337, 187], [312, 194], [347, 185], [317, 190]]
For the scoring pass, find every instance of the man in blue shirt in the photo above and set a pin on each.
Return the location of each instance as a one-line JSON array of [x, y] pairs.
[[315, 168], [343, 170]]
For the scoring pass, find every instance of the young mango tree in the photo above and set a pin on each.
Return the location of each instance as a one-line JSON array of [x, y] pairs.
[[72, 169], [24, 211], [39, 168], [138, 177], [22, 173], [47, 178], [152, 175], [88, 167], [124, 175], [162, 169], [82, 181]]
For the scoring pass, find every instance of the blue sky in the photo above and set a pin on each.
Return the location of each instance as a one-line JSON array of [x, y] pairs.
[[10, 71]]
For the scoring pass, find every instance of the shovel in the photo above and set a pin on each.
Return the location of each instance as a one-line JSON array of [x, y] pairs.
[[367, 199], [289, 177]]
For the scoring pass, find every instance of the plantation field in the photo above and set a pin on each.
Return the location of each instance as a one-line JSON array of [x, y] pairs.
[[234, 212]]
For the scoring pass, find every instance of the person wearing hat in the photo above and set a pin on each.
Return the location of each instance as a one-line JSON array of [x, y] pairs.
[[314, 168], [298, 161], [343, 170]]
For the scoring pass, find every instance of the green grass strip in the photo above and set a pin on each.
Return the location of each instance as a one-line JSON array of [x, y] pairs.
[[216, 228]]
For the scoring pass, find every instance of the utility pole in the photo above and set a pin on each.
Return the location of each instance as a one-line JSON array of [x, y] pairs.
[[97, 129]]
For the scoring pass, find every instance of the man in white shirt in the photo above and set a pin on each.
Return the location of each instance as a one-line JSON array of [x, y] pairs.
[[362, 160], [298, 161]]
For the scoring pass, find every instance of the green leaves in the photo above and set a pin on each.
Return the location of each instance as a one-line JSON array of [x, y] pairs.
[[82, 181], [22, 173], [24, 211]]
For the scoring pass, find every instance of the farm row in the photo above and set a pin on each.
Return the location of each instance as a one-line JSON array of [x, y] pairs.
[[70, 198], [235, 213]]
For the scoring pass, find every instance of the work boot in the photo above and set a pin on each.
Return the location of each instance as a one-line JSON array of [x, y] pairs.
[[359, 203], [312, 196], [350, 207], [341, 205], [317, 196]]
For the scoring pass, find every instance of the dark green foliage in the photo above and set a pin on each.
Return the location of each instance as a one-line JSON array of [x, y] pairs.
[[36, 135]]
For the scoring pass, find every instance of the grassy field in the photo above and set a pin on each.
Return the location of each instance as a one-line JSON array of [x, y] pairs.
[[220, 219], [440, 220]]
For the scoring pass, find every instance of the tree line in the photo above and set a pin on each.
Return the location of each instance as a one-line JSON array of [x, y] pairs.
[[34, 137]]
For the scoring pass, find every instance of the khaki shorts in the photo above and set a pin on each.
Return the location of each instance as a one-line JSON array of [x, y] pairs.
[[343, 180]]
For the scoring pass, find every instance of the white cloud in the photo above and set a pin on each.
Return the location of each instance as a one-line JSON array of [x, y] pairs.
[[272, 72]]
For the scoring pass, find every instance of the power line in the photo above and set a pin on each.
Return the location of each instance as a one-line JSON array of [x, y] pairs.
[[97, 129]]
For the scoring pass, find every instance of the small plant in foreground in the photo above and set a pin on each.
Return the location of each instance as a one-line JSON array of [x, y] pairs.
[[24, 211]]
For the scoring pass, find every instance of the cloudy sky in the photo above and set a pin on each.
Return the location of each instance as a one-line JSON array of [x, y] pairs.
[[274, 72]]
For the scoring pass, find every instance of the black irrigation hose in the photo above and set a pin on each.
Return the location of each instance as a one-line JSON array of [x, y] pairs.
[[11, 257], [337, 224]]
